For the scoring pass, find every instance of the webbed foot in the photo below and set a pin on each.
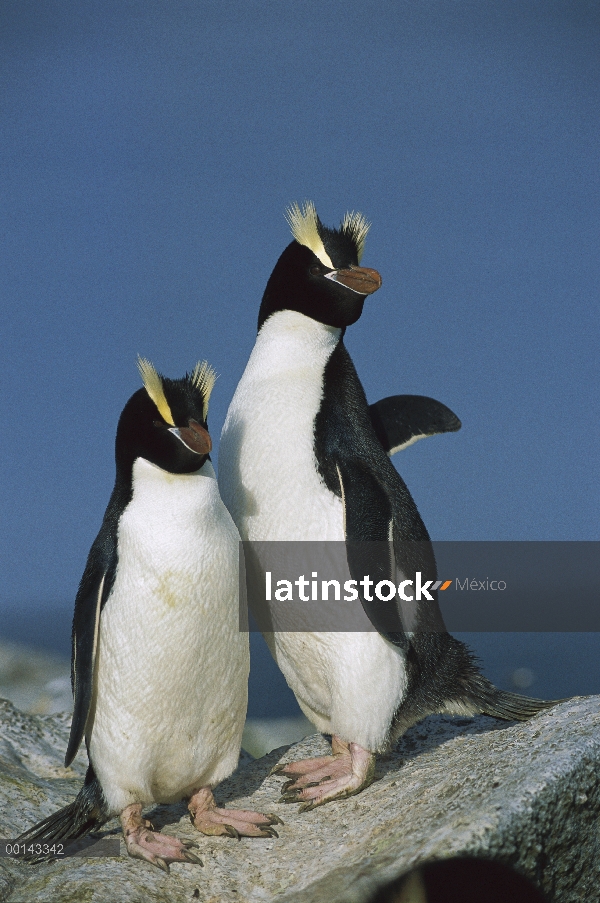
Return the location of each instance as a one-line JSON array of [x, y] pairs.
[[313, 782], [211, 820], [143, 842]]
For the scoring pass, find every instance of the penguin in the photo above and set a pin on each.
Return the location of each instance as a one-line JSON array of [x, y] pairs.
[[304, 458], [159, 665]]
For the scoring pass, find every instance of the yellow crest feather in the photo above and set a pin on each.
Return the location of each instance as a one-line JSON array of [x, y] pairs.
[[356, 227], [154, 387], [304, 225], [203, 378]]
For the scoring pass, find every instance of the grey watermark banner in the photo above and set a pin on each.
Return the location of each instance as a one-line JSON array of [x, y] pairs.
[[419, 586]]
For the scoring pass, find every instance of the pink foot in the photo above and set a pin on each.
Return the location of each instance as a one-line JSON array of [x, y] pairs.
[[143, 842], [316, 781], [208, 819]]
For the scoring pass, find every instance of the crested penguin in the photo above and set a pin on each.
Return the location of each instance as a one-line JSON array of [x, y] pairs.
[[159, 666], [303, 457]]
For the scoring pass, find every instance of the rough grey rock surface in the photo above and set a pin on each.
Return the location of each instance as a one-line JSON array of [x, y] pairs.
[[525, 794]]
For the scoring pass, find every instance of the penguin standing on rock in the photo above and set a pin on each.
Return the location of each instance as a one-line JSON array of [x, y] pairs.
[[159, 666], [302, 458]]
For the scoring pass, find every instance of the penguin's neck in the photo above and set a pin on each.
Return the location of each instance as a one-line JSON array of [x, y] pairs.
[[163, 490], [289, 340]]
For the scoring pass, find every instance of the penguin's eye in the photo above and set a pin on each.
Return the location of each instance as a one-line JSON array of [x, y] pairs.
[[316, 270], [160, 424]]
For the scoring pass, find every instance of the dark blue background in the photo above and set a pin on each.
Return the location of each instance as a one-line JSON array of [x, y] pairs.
[[147, 152]]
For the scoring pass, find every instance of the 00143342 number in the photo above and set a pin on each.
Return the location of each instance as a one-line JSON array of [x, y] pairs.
[[10, 848]]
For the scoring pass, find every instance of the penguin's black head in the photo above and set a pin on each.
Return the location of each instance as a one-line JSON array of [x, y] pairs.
[[165, 422], [318, 274]]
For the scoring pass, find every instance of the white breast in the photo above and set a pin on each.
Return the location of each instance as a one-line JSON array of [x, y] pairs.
[[172, 663], [349, 684], [267, 468]]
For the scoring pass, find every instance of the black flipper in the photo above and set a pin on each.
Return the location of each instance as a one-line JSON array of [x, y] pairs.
[[373, 549], [86, 624], [85, 814], [94, 590], [400, 420]]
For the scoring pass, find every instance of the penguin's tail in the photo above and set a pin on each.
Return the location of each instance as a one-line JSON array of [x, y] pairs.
[[85, 814], [483, 698]]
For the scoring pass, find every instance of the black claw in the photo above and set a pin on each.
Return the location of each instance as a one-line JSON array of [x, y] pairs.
[[290, 797], [277, 769], [190, 845], [162, 865], [232, 832], [191, 857], [269, 832], [306, 807], [275, 820]]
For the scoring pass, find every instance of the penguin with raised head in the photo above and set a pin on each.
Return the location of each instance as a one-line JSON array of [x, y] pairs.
[[159, 664], [302, 458]]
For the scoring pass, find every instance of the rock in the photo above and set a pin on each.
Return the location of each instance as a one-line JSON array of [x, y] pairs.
[[35, 681], [524, 794]]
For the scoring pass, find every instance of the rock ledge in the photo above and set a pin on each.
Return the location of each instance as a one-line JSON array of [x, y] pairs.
[[524, 794]]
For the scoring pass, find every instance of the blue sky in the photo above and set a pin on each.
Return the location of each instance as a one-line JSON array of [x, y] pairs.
[[147, 153]]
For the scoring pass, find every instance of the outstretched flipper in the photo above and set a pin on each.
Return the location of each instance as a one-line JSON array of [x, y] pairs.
[[401, 420]]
